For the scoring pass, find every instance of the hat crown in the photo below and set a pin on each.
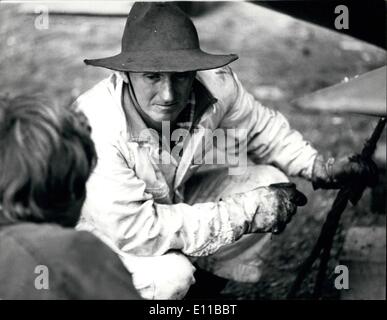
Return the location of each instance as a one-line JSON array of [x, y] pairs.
[[158, 27]]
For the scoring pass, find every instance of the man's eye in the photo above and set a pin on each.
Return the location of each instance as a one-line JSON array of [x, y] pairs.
[[152, 76]]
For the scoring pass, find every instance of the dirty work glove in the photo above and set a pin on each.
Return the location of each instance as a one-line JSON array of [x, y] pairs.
[[334, 174], [278, 205], [267, 209]]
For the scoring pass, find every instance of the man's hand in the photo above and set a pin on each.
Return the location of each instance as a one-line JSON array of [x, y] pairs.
[[264, 209], [334, 174], [278, 203]]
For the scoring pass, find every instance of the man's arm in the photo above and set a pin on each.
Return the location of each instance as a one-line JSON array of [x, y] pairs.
[[120, 211], [270, 138]]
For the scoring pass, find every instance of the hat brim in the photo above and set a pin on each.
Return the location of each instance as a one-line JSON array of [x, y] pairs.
[[167, 61]]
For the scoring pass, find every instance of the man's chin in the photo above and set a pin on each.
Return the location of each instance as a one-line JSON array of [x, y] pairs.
[[166, 119]]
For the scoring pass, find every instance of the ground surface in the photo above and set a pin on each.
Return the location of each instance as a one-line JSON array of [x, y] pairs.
[[280, 59]]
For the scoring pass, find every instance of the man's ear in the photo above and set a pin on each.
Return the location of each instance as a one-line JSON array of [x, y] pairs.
[[123, 75]]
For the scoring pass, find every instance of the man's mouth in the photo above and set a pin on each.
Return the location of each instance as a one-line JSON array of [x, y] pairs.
[[167, 107]]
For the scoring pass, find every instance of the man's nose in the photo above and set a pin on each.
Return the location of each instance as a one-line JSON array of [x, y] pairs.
[[167, 90]]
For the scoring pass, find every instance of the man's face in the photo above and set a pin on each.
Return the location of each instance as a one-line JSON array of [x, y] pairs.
[[162, 96]]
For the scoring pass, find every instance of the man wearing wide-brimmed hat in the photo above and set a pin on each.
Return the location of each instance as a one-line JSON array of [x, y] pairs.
[[155, 196]]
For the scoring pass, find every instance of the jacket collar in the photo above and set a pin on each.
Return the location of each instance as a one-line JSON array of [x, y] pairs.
[[204, 99]]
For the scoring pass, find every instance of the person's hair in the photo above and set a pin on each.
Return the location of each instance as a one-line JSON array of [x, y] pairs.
[[46, 157]]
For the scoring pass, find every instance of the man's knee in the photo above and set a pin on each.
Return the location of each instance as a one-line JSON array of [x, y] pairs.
[[212, 186], [176, 278], [163, 277], [255, 176], [265, 175]]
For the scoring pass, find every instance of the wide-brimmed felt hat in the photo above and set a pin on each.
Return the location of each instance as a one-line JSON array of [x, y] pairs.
[[159, 37]]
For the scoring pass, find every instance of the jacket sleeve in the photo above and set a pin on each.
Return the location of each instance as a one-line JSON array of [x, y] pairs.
[[120, 211], [270, 139]]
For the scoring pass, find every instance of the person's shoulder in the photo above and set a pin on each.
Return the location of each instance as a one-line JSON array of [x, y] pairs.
[[221, 83], [32, 231], [101, 98], [49, 240], [102, 89], [102, 107], [80, 264]]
